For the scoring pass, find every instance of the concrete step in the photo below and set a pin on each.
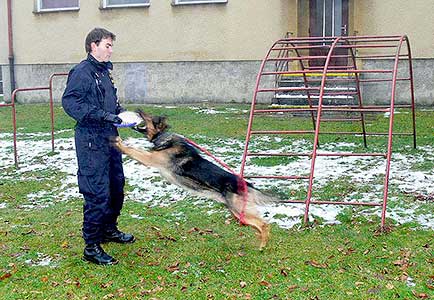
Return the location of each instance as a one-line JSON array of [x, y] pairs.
[[300, 98], [285, 99]]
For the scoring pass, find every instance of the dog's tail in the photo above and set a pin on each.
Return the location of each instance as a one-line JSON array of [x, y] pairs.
[[260, 198]]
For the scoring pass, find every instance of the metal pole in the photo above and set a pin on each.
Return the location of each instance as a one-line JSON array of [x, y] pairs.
[[52, 105], [14, 124]]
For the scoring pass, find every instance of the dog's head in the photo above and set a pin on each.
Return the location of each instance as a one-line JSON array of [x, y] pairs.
[[151, 125]]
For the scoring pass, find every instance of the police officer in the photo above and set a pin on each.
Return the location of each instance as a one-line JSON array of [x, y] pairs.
[[90, 98]]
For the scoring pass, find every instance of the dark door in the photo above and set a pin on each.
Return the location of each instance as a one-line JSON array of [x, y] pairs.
[[328, 18]]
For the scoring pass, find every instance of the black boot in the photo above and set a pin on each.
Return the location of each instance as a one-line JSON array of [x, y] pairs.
[[96, 254], [117, 236]]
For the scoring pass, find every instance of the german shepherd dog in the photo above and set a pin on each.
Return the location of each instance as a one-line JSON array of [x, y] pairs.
[[181, 164]]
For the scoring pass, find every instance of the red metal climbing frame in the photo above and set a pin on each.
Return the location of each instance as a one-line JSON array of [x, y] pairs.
[[356, 61]]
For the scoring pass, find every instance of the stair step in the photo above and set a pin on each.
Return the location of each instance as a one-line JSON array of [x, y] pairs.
[[291, 96]]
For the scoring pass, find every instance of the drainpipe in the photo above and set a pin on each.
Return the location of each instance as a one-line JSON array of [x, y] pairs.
[[11, 48]]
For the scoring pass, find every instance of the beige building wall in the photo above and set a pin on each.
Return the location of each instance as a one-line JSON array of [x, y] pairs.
[[238, 30], [193, 53], [389, 17]]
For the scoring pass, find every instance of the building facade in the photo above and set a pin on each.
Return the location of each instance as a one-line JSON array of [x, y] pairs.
[[184, 51]]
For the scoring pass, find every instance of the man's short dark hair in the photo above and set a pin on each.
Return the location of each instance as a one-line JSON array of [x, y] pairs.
[[95, 36]]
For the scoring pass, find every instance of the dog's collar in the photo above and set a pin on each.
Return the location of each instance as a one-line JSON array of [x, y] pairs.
[[156, 137], [162, 140]]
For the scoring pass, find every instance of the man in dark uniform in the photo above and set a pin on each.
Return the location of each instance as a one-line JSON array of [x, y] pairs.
[[90, 98]]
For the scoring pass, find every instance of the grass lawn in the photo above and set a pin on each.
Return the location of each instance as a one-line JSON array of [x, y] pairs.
[[191, 248]]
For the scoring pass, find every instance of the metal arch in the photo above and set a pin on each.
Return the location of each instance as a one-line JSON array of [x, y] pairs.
[[351, 43], [390, 136], [14, 93]]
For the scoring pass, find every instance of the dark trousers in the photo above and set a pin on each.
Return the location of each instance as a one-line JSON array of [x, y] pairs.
[[100, 179]]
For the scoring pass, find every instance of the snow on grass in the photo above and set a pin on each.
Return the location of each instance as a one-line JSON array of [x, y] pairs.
[[42, 260], [146, 186]]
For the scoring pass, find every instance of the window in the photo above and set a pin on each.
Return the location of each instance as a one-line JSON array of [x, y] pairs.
[[125, 3], [182, 2], [56, 5]]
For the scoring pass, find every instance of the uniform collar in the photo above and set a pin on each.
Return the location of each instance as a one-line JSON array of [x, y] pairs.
[[102, 66]]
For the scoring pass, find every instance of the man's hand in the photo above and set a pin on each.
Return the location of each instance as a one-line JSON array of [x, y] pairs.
[[112, 118], [129, 119]]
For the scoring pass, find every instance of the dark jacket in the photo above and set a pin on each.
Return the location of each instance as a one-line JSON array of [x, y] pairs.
[[90, 94]]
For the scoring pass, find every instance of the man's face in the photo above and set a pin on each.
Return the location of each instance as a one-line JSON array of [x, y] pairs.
[[103, 51]]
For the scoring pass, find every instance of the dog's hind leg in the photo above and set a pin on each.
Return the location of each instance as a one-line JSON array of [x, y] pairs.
[[248, 215], [260, 225]]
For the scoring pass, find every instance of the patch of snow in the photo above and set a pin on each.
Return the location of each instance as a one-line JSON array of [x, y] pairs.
[[43, 260], [410, 282], [209, 111], [134, 216]]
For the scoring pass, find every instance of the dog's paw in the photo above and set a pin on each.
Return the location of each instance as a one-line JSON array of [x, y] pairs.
[[264, 236]]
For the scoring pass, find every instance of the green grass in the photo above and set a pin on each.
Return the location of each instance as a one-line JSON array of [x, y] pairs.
[[182, 252]]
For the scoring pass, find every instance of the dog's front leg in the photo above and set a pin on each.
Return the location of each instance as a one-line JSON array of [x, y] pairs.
[[143, 157]]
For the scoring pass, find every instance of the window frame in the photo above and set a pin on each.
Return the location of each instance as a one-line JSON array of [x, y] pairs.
[[39, 9], [105, 5], [188, 2]]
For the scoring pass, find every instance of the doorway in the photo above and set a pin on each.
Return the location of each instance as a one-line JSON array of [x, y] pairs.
[[328, 18]]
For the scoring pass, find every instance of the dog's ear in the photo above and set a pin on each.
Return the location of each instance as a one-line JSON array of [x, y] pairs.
[[160, 123]]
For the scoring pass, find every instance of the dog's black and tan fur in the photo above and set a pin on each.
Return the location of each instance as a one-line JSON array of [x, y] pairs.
[[180, 163]]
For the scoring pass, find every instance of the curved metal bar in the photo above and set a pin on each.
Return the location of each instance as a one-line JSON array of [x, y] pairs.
[[359, 96], [390, 135], [306, 85], [252, 109], [413, 103], [14, 93], [317, 127]]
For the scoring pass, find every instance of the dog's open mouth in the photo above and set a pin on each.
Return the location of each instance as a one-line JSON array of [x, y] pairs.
[[141, 126]]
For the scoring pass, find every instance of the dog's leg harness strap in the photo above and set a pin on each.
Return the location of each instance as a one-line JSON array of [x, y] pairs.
[[242, 188], [242, 184]]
